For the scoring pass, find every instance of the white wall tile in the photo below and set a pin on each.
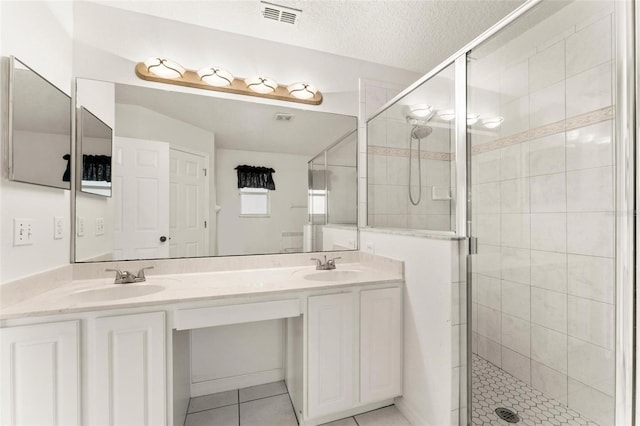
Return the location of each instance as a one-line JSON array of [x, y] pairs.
[[417, 221], [549, 270], [516, 299], [547, 67], [589, 90], [397, 170], [516, 116], [490, 350], [438, 173], [514, 81], [547, 155], [375, 96], [548, 231], [378, 199], [489, 323], [549, 309], [590, 190], [398, 133], [488, 260], [594, 404], [591, 321], [516, 364], [486, 228], [547, 105], [515, 230], [592, 365], [514, 161], [549, 347], [377, 169], [549, 381], [487, 198], [377, 132], [397, 199], [397, 221], [516, 265], [589, 47], [514, 195], [439, 222], [591, 277], [590, 146], [548, 193], [590, 234], [489, 293], [516, 335]]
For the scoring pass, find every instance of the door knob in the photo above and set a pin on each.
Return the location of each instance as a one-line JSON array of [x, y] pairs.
[[163, 239]]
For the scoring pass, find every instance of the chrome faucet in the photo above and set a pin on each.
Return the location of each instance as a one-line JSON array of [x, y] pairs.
[[126, 277], [327, 265]]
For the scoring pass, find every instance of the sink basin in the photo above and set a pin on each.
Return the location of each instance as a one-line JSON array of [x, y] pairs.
[[333, 275], [122, 291]]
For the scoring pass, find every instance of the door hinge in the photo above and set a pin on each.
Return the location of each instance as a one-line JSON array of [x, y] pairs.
[[205, 224], [205, 171], [473, 245]]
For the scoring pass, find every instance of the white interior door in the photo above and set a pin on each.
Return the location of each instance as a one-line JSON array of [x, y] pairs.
[[189, 204], [140, 180]]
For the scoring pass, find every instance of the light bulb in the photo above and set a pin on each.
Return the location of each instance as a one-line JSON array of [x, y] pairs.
[[215, 76], [164, 68], [302, 90], [261, 85]]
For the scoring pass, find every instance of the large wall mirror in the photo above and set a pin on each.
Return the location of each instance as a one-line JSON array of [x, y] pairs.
[[39, 129], [196, 175]]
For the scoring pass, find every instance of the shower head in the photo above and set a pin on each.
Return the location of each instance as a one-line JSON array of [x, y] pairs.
[[420, 132]]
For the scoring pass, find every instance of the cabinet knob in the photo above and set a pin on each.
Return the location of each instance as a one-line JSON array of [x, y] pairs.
[[163, 239]]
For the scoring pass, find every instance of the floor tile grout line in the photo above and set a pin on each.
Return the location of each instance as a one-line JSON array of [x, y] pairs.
[[213, 408], [263, 397], [238, 407]]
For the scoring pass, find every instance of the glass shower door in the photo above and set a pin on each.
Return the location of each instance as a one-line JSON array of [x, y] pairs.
[[540, 105]]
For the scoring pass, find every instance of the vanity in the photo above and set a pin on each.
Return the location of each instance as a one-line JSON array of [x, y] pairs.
[[87, 351]]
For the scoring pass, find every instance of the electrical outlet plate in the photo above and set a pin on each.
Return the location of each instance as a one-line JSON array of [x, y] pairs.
[[22, 232], [58, 227]]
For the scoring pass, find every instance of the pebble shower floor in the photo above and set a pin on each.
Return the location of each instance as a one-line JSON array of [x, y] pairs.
[[494, 388]]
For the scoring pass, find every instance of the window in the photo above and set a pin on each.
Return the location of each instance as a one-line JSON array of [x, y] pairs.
[[254, 202], [317, 199]]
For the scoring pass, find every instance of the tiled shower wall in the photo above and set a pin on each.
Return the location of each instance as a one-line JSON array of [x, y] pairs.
[[388, 174], [543, 198]]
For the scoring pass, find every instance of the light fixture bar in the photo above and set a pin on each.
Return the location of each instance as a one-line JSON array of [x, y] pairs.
[[237, 86]]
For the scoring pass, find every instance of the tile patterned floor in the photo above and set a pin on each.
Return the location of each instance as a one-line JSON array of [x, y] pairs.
[[270, 405], [493, 388]]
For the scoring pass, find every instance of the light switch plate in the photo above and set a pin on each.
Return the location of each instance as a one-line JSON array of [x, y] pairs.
[[58, 227], [99, 226], [22, 232], [80, 226]]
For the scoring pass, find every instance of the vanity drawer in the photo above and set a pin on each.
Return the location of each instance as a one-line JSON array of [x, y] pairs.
[[186, 319]]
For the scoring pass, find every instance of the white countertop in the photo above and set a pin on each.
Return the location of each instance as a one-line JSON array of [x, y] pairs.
[[101, 294]]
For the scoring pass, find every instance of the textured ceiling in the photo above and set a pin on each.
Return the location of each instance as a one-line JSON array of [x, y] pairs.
[[412, 35]]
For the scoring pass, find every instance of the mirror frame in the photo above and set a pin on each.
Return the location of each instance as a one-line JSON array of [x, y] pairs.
[[10, 124]]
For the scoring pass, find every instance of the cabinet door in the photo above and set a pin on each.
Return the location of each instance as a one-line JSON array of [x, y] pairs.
[[129, 374], [330, 354], [39, 370], [380, 344]]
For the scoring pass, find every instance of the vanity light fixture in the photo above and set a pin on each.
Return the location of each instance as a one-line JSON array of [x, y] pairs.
[[215, 76], [302, 90], [420, 111], [492, 122], [472, 119], [447, 114], [164, 68], [261, 84]]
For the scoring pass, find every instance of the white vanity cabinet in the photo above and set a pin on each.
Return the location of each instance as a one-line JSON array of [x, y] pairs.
[[354, 351], [40, 374], [129, 370], [330, 353]]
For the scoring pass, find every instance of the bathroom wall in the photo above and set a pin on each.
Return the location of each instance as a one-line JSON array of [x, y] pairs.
[[288, 212], [40, 34], [544, 208]]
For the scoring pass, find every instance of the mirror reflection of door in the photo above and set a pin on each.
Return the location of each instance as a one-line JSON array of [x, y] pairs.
[[141, 198], [189, 204]]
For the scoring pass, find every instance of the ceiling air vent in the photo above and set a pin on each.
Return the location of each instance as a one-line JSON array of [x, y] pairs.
[[276, 12]]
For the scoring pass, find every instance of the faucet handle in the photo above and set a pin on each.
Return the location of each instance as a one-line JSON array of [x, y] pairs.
[[117, 271], [140, 275], [335, 258], [319, 262]]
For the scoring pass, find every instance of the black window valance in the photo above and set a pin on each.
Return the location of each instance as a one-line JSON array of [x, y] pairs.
[[255, 177], [96, 167]]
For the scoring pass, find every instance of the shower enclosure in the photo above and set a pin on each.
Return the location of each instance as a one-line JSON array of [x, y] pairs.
[[530, 158], [332, 203]]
